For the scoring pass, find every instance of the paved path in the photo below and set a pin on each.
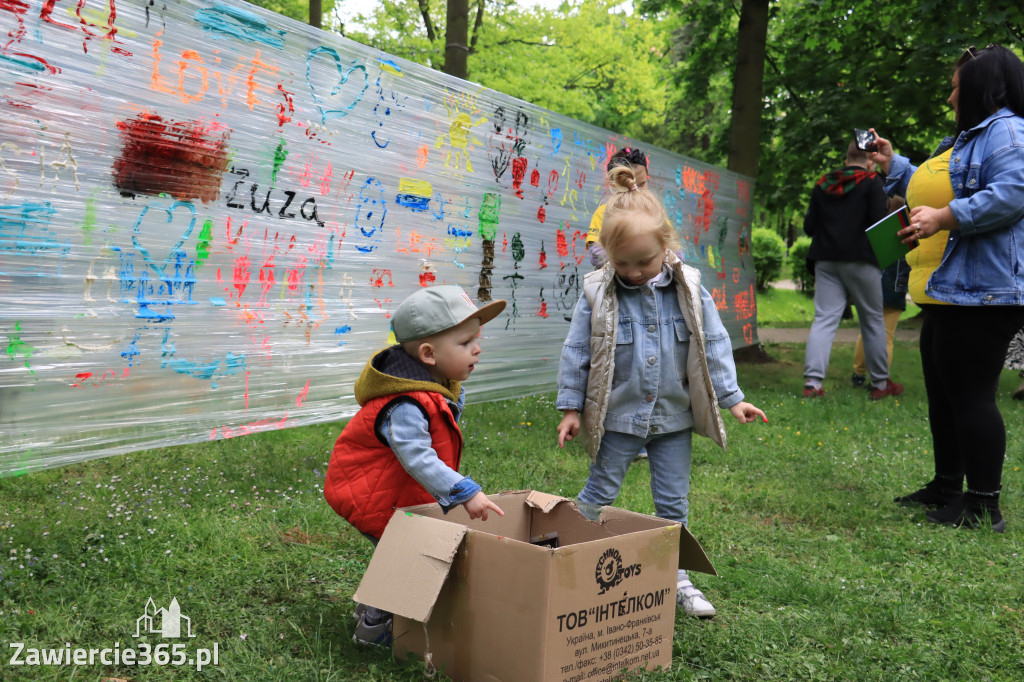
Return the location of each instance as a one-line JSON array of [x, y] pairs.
[[910, 332], [798, 335]]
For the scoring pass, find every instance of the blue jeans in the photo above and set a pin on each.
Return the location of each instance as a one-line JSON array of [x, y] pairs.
[[668, 456]]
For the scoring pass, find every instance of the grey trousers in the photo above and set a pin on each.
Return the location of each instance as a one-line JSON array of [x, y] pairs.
[[835, 284]]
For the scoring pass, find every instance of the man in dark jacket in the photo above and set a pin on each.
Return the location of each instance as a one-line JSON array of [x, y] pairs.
[[844, 203]]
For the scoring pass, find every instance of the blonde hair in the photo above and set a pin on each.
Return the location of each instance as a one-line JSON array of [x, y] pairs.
[[632, 212]]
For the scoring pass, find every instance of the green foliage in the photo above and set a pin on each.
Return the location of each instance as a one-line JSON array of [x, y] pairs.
[[802, 275], [830, 66], [822, 577], [769, 251], [589, 60], [296, 9]]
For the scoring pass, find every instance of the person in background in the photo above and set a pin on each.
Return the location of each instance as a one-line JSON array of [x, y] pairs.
[[630, 157], [646, 363], [844, 203], [404, 445], [969, 197], [1015, 361], [894, 302]]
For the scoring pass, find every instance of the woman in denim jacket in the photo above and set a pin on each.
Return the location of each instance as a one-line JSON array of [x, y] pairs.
[[646, 363], [976, 184]]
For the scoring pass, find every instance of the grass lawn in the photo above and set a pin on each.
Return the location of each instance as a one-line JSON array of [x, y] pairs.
[[822, 577]]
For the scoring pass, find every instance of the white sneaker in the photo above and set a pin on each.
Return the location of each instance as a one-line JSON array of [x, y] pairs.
[[693, 600]]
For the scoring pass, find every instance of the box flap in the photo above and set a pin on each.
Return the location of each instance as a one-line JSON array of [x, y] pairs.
[[543, 501], [691, 554], [410, 565]]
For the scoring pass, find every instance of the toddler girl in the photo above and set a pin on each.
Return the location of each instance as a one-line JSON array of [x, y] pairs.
[[646, 363]]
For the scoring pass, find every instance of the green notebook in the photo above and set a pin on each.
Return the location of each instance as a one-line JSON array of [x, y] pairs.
[[884, 242]]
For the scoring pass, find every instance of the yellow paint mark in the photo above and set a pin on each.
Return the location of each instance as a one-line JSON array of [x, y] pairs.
[[420, 188]]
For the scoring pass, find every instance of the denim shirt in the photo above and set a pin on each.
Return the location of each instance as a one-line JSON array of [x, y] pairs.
[[650, 390], [406, 431], [984, 259]]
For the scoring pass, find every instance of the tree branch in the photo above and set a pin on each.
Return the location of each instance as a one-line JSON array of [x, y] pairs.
[[524, 42], [778, 72], [571, 83], [477, 26], [425, 11]]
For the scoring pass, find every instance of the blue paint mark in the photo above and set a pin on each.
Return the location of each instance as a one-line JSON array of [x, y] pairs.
[[217, 301], [556, 140], [456, 232], [133, 350], [25, 231], [390, 64], [29, 65], [207, 371], [343, 76], [343, 330], [238, 23], [413, 201]]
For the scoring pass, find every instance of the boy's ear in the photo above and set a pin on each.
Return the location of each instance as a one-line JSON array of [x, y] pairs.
[[425, 354]]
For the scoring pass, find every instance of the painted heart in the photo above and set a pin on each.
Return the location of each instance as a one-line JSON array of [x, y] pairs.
[[341, 96], [153, 235]]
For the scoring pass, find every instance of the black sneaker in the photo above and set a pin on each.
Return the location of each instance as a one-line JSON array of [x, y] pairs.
[[858, 380], [972, 517], [931, 496]]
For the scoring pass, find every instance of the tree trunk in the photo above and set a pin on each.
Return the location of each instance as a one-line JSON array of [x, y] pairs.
[[456, 46], [748, 85], [316, 13]]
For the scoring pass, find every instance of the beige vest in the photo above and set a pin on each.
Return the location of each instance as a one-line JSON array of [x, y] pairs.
[[599, 288]]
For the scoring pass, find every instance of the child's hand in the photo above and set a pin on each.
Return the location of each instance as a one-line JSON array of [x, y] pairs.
[[478, 505], [746, 413], [569, 427]]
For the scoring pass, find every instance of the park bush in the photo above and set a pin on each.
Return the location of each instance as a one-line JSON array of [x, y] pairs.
[[769, 252], [802, 275]]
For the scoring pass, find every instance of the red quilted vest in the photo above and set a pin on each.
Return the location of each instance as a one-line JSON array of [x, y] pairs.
[[365, 481]]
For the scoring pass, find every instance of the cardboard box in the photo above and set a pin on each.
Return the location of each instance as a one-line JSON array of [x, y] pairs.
[[539, 594]]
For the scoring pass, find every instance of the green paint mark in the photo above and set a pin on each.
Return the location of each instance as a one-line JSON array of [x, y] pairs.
[[490, 211], [280, 154], [89, 221], [19, 347], [205, 239]]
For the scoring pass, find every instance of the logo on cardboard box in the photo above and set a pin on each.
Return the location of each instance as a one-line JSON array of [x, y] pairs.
[[610, 571]]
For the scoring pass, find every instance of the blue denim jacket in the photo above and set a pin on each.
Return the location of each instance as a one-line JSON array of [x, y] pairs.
[[650, 392], [407, 433], [984, 259]]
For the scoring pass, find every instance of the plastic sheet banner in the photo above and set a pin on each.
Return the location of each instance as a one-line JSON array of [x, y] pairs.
[[208, 213]]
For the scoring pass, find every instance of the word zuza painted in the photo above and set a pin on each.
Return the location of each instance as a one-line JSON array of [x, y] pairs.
[[208, 213]]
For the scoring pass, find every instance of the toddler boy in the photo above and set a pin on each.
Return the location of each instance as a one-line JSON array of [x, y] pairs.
[[404, 445]]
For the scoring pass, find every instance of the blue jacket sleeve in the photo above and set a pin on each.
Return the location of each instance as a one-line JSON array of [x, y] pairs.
[[718, 349], [574, 366], [407, 432]]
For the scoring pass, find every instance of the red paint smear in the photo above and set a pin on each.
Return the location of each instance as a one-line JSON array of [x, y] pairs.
[[302, 394], [15, 6], [185, 159]]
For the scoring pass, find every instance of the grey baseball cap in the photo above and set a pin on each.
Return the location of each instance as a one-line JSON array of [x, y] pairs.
[[436, 309]]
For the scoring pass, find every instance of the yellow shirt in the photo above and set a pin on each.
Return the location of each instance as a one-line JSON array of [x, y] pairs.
[[929, 186], [594, 233]]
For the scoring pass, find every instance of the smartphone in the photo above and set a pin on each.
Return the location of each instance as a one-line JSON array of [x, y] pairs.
[[865, 140]]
